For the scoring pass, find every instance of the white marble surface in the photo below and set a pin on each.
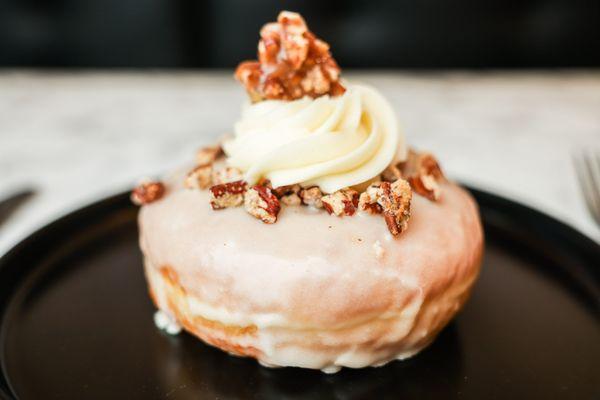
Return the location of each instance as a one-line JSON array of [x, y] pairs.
[[80, 137]]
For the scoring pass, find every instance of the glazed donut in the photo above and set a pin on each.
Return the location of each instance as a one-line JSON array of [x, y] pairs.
[[313, 237], [312, 290]]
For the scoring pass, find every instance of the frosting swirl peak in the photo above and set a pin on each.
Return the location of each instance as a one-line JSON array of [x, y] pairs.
[[330, 142]]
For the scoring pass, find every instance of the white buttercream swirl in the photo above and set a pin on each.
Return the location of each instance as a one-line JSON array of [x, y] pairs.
[[330, 142]]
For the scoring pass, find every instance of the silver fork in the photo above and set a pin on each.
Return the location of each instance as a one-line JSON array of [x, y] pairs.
[[587, 167]]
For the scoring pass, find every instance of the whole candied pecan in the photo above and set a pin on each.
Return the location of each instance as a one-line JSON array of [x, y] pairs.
[[147, 192], [423, 173], [292, 63], [343, 202], [226, 195], [261, 203]]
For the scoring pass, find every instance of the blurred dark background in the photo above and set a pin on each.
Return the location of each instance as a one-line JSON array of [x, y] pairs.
[[365, 34]]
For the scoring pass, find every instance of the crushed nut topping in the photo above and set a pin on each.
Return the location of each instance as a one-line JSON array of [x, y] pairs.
[[261, 203], [284, 190], [312, 197], [395, 203], [288, 195], [147, 192], [343, 202], [226, 175], [423, 173], [292, 63], [291, 199], [227, 195], [368, 199], [420, 173], [266, 183], [391, 199], [208, 155], [199, 178], [391, 173]]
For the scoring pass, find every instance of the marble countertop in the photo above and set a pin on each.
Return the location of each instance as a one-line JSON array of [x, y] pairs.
[[77, 137]]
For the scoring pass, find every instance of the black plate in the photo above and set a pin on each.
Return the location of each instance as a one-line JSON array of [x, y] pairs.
[[77, 323]]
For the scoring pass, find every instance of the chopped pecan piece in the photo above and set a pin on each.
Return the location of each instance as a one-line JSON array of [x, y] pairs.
[[288, 195], [312, 197], [261, 203], [147, 192], [343, 202], [424, 174], [199, 178], [391, 199], [292, 63], [427, 186], [208, 155], [291, 199], [391, 173], [266, 183], [395, 202], [368, 199], [226, 175], [286, 190], [229, 194]]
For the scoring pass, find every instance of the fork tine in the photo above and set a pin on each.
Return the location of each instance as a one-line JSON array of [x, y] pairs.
[[593, 176], [594, 185], [583, 173], [595, 159]]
